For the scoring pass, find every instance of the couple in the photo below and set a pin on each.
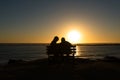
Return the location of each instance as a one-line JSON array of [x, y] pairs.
[[61, 48]]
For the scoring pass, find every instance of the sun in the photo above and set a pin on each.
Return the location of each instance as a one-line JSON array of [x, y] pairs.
[[74, 36]]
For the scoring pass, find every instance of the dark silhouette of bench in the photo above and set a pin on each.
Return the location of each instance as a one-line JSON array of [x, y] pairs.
[[61, 54]]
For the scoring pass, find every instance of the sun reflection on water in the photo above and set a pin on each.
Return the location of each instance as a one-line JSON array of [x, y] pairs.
[[78, 53]]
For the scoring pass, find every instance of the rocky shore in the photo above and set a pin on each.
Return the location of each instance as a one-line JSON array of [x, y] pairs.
[[81, 69]]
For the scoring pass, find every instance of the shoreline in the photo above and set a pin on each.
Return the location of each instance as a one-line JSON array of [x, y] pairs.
[[76, 57]]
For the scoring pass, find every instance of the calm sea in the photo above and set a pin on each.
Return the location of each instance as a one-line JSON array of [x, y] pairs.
[[38, 51]]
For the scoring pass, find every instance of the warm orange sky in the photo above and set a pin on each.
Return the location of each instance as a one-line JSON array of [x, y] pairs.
[[34, 21]]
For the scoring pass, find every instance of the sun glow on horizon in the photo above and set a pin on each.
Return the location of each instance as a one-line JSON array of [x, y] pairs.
[[74, 36]]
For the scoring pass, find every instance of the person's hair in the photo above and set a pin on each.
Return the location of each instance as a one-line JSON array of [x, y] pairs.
[[56, 38], [62, 39]]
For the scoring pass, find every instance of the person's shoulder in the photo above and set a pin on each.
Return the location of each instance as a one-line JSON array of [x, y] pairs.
[[68, 42]]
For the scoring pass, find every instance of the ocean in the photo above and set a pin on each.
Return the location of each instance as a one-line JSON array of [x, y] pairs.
[[29, 52]]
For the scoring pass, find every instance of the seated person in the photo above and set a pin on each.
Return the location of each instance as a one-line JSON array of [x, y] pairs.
[[65, 46], [54, 46], [54, 41]]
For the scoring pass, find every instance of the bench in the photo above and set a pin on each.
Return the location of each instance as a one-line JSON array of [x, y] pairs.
[[55, 53]]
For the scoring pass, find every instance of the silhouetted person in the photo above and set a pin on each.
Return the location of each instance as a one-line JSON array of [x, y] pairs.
[[54, 46], [65, 46], [54, 41]]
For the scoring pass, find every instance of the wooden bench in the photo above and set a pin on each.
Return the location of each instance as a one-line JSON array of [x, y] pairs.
[[59, 53]]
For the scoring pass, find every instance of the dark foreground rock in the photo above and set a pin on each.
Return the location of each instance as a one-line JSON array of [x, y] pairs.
[[80, 69]]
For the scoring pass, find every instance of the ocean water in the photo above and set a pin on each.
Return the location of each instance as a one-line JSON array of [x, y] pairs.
[[98, 51], [25, 52], [38, 51]]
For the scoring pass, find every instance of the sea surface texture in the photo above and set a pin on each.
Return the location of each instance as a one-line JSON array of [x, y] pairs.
[[38, 51]]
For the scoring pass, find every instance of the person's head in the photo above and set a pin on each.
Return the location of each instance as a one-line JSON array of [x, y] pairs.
[[62, 39], [56, 38]]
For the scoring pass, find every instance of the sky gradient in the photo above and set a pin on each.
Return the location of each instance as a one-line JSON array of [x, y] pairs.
[[38, 21]]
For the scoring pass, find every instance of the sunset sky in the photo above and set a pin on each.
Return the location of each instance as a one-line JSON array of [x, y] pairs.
[[38, 21]]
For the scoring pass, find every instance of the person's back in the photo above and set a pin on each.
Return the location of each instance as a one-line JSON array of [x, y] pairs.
[[65, 46]]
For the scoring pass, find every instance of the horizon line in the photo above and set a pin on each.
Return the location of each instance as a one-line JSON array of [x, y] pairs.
[[49, 43]]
